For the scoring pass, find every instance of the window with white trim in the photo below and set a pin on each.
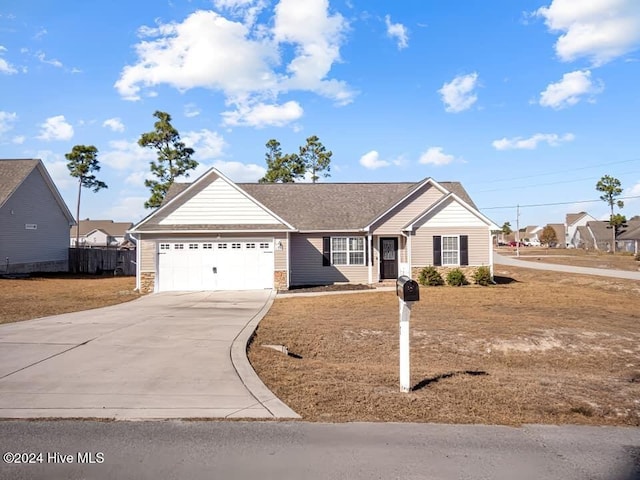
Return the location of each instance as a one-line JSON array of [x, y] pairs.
[[450, 250], [164, 246], [222, 245], [347, 251], [207, 246], [236, 245], [178, 246], [250, 245], [264, 245], [193, 246]]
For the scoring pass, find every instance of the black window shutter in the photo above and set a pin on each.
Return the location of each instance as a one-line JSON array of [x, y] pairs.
[[326, 251], [437, 250], [464, 249], [366, 250]]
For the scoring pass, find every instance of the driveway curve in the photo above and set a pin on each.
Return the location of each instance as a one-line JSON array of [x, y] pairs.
[[603, 272], [167, 355]]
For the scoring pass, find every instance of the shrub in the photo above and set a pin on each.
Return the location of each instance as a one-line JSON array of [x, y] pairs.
[[456, 278], [482, 276], [429, 276]]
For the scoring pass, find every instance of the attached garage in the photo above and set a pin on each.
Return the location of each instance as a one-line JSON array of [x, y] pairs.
[[235, 264]]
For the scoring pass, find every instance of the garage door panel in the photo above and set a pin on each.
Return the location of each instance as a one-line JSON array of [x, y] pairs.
[[216, 265]]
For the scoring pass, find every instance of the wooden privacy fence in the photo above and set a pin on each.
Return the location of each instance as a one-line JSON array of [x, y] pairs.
[[102, 260]]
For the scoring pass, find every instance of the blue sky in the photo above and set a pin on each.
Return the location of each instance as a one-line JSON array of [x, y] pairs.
[[526, 102]]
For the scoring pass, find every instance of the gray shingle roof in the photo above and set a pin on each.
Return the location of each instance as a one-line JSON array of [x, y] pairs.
[[12, 174], [329, 206], [115, 229]]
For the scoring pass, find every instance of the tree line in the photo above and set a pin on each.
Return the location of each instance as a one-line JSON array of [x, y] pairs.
[[174, 159]]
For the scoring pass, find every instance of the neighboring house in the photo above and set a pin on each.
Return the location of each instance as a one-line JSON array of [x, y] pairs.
[[628, 236], [572, 222], [214, 234], [531, 235], [101, 233], [34, 220], [561, 234], [595, 235]]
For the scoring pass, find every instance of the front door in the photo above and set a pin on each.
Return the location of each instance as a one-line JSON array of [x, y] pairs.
[[388, 258]]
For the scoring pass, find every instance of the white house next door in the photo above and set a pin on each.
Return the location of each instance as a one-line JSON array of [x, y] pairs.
[[215, 265]]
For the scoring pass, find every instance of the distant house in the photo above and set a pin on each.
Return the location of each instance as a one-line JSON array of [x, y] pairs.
[[597, 236], [628, 237], [572, 222], [34, 220], [100, 233], [561, 233], [531, 234]]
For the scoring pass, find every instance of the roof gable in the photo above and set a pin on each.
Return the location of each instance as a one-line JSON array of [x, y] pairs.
[[451, 210], [211, 202], [14, 172]]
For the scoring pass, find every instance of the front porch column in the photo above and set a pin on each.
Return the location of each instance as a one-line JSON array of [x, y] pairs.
[[370, 257]]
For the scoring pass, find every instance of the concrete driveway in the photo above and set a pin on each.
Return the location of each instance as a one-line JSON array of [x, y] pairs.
[[168, 355]]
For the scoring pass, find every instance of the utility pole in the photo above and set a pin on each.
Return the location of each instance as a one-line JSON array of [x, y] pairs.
[[518, 230]]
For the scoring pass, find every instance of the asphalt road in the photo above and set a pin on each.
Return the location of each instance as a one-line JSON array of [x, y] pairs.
[[298, 450]]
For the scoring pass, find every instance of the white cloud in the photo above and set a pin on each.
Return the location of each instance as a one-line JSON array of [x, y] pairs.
[[128, 209], [6, 121], [633, 191], [372, 161], [19, 140], [138, 177], [56, 63], [263, 115], [458, 95], [531, 143], [246, 62], [115, 124], [436, 156], [246, 9], [56, 128], [206, 143], [191, 110], [570, 90], [397, 31], [600, 30], [126, 155], [56, 165], [6, 67], [236, 171]]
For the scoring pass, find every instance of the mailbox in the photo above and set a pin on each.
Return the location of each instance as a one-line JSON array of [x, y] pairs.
[[407, 289]]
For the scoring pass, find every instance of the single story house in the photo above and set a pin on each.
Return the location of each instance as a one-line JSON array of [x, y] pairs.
[[100, 233], [34, 219], [214, 234], [572, 222]]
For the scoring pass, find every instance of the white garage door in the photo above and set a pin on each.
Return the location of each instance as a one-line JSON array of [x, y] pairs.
[[215, 265]]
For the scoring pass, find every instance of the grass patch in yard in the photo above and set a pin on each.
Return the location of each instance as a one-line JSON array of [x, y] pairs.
[[41, 296], [540, 347]]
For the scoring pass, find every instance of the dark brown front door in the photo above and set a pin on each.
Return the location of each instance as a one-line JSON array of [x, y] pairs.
[[388, 258]]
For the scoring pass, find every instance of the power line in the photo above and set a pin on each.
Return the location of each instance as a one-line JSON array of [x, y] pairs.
[[553, 204], [526, 177]]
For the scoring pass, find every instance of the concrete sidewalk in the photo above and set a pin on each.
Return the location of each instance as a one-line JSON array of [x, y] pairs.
[[169, 355], [603, 272]]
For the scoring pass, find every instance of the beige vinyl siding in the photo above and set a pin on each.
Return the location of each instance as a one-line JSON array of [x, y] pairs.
[[148, 245], [33, 203], [406, 212], [479, 241], [451, 214], [219, 204], [306, 263]]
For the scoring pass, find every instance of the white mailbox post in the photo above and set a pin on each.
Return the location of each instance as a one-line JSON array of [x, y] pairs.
[[408, 292]]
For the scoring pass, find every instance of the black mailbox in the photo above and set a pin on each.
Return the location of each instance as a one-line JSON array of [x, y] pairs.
[[407, 289]]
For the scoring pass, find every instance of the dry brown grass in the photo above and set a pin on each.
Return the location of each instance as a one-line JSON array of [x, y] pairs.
[[34, 297], [576, 257], [545, 348]]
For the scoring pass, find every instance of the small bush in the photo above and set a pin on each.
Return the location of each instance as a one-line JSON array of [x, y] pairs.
[[482, 276], [456, 278], [429, 276]]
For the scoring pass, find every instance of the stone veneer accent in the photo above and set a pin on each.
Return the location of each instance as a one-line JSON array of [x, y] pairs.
[[280, 280], [147, 282], [468, 272]]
